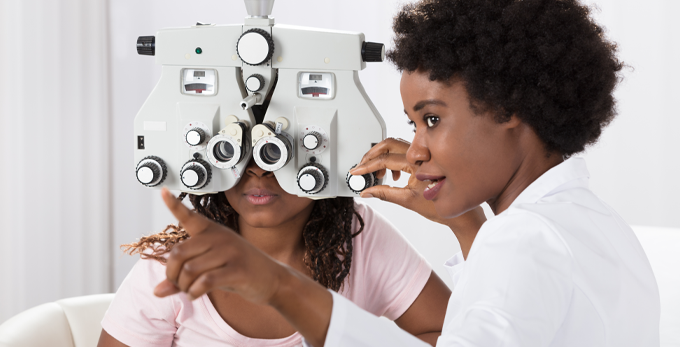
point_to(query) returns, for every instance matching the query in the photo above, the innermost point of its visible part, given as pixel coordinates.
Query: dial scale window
(201, 82)
(316, 85)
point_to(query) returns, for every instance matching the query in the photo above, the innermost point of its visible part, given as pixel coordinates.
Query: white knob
(254, 83)
(190, 177)
(357, 183)
(311, 141)
(145, 175)
(307, 182)
(195, 136)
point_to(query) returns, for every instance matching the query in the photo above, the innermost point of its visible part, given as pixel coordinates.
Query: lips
(259, 196)
(436, 183)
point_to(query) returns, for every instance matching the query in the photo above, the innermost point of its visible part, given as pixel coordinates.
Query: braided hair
(327, 235)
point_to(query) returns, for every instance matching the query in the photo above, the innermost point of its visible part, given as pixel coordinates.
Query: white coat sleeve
(352, 326)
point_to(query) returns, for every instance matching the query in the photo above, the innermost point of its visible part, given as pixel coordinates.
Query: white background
(71, 83)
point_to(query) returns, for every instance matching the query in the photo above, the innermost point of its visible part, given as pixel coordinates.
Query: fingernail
(367, 195)
(190, 297)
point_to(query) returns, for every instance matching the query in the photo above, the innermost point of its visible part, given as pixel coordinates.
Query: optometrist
(501, 95)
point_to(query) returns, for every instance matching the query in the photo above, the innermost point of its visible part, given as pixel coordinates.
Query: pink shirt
(384, 285)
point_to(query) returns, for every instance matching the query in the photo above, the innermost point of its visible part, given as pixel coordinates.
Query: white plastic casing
(346, 116)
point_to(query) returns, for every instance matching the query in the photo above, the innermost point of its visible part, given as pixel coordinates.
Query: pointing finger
(192, 222)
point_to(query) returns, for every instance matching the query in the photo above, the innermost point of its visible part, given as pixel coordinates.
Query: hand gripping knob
(195, 136)
(195, 174)
(311, 140)
(357, 183)
(151, 171)
(312, 178)
(373, 52)
(255, 47)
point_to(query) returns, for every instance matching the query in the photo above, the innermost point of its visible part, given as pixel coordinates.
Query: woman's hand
(215, 257)
(391, 154)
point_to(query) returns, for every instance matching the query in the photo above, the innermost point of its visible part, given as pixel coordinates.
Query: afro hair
(545, 61)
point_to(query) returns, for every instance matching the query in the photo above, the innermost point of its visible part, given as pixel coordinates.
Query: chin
(450, 209)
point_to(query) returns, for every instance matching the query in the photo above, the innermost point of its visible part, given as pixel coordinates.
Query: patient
(329, 240)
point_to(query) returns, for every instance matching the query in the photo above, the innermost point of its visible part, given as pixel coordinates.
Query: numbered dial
(195, 174)
(254, 83)
(255, 47)
(357, 183)
(312, 178)
(151, 171)
(195, 135)
(313, 139)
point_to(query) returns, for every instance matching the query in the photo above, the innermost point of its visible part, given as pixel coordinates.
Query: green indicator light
(199, 50)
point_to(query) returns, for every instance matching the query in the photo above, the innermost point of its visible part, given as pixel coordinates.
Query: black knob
(373, 52)
(312, 140)
(195, 174)
(249, 47)
(151, 171)
(146, 45)
(312, 178)
(357, 183)
(195, 136)
(254, 83)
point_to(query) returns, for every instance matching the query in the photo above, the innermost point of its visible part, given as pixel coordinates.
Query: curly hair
(327, 235)
(545, 61)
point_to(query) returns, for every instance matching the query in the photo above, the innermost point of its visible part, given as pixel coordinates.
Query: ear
(513, 123)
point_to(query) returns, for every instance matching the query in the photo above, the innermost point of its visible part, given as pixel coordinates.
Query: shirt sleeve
(515, 288)
(389, 273)
(136, 316)
(352, 326)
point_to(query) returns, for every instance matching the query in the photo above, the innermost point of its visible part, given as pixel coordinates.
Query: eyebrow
(421, 104)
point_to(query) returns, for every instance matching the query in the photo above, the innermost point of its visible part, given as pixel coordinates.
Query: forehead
(416, 87)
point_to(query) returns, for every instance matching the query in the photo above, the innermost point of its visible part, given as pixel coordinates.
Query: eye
(412, 123)
(431, 121)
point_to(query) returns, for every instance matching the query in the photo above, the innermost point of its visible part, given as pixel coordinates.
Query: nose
(418, 153)
(253, 170)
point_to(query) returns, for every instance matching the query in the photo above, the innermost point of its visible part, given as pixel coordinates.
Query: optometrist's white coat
(557, 268)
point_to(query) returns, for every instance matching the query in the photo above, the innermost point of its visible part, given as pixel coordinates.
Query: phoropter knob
(357, 183)
(312, 178)
(195, 174)
(151, 171)
(373, 52)
(254, 83)
(255, 47)
(311, 140)
(146, 45)
(195, 136)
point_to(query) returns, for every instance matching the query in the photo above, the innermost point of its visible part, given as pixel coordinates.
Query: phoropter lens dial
(312, 140)
(357, 183)
(312, 178)
(195, 136)
(255, 47)
(151, 171)
(224, 151)
(273, 152)
(195, 174)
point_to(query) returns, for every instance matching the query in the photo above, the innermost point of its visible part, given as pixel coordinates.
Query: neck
(282, 242)
(531, 166)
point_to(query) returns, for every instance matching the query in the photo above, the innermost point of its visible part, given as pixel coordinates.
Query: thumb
(165, 288)
(399, 196)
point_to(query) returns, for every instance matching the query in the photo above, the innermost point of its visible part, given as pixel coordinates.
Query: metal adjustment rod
(259, 8)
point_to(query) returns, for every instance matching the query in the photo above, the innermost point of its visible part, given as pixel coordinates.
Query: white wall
(635, 167)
